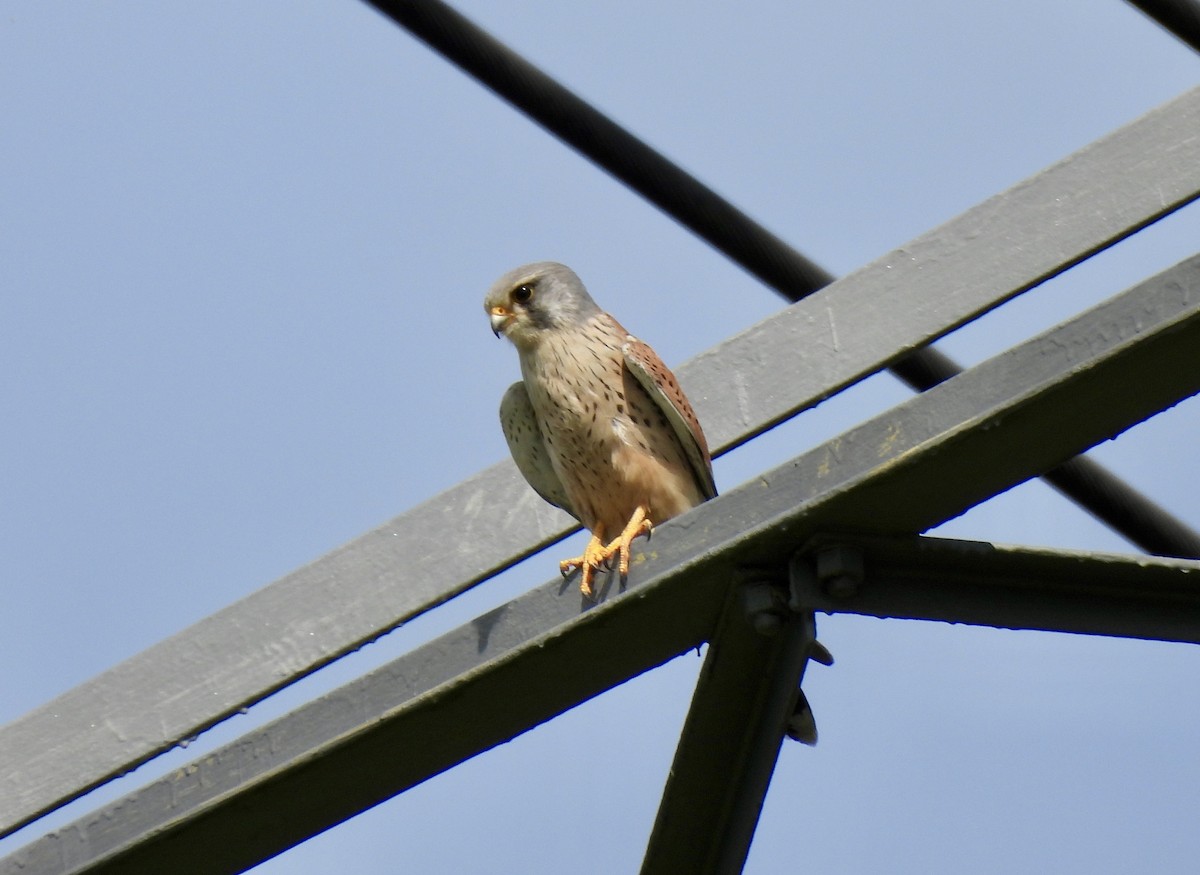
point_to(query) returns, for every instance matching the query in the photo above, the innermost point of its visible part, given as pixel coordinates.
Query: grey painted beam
(1014, 240)
(290, 628)
(730, 742)
(902, 472)
(1084, 481)
(1013, 587)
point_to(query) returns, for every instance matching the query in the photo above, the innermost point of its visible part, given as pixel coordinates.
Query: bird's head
(527, 302)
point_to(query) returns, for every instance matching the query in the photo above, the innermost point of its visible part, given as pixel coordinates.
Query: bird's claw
(598, 555)
(622, 547)
(593, 558)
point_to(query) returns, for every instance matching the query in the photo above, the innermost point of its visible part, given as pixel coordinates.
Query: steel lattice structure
(836, 529)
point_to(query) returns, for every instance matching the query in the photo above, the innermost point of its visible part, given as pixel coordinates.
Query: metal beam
(902, 472)
(745, 695)
(294, 626)
(1008, 587)
(1090, 485)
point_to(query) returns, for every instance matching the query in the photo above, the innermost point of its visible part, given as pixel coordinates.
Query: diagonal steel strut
(746, 693)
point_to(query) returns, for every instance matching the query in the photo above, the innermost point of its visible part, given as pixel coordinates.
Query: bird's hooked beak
(499, 317)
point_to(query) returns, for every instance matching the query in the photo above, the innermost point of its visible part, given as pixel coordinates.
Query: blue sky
(243, 250)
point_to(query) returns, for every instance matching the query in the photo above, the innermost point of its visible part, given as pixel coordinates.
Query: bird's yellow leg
(638, 524)
(594, 555)
(597, 553)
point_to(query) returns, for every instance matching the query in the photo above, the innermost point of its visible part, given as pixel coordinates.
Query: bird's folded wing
(663, 389)
(528, 448)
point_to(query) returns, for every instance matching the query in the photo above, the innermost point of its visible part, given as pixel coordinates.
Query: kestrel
(598, 425)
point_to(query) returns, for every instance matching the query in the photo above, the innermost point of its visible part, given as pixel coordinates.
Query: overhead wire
(1180, 17)
(746, 242)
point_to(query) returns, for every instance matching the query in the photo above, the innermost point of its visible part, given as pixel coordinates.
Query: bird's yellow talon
(598, 556)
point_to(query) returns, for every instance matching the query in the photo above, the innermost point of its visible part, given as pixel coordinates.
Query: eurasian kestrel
(598, 425)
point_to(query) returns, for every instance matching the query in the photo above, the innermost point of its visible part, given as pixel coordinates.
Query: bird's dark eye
(522, 294)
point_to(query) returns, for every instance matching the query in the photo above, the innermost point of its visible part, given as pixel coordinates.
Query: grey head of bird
(536, 298)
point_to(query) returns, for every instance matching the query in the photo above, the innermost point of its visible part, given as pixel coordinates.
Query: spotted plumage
(598, 425)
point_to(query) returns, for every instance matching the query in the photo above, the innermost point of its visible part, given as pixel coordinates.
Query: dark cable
(715, 220)
(618, 152)
(1180, 17)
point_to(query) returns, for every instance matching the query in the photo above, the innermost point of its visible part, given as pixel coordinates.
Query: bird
(597, 425)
